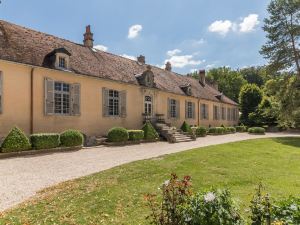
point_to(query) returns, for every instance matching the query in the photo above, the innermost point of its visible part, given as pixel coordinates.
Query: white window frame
(63, 94)
(189, 110)
(204, 111)
(113, 103)
(62, 62)
(148, 105)
(173, 108)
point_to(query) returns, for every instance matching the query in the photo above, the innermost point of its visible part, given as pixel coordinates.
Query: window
(216, 112)
(189, 110)
(173, 108)
(62, 62)
(61, 98)
(223, 113)
(148, 105)
(204, 111)
(113, 103)
(228, 114)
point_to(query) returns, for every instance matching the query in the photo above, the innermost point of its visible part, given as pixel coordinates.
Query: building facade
(48, 84)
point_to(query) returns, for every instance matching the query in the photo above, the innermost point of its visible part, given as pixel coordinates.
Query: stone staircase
(172, 134)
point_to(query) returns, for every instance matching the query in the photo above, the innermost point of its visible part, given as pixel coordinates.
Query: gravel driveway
(21, 178)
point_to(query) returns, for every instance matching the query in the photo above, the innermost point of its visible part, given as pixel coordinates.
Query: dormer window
(58, 59)
(146, 78)
(187, 89)
(61, 62)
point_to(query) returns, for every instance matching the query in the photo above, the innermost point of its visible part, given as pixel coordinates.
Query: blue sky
(192, 34)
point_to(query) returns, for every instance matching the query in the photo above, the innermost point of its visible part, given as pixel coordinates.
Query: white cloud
(134, 31)
(221, 26)
(180, 61)
(101, 48)
(173, 52)
(249, 23)
(129, 57)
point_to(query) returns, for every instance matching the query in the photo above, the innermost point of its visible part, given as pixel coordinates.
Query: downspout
(198, 112)
(31, 101)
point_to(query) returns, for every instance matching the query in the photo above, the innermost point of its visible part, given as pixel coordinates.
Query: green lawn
(116, 196)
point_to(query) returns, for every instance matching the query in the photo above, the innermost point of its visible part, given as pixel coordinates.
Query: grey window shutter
(1, 92)
(169, 108)
(123, 111)
(105, 102)
(75, 98)
(193, 110)
(49, 96)
(177, 109)
(186, 109)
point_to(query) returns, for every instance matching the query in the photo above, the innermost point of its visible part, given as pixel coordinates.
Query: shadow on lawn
(292, 141)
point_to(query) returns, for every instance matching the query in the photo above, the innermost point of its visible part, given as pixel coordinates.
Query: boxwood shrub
(216, 130)
(231, 129)
(201, 132)
(71, 138)
(186, 128)
(118, 134)
(149, 132)
(15, 141)
(44, 141)
(136, 135)
(240, 129)
(256, 130)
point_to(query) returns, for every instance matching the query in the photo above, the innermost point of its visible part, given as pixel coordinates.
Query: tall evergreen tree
(283, 34)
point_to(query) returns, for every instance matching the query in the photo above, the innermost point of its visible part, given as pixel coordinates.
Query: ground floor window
(223, 113)
(189, 110)
(113, 103)
(173, 108)
(204, 111)
(216, 112)
(148, 105)
(61, 98)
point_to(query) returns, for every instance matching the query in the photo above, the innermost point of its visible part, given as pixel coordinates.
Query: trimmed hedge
(241, 128)
(186, 128)
(201, 132)
(16, 141)
(230, 129)
(216, 130)
(149, 132)
(44, 141)
(256, 130)
(136, 135)
(71, 138)
(118, 134)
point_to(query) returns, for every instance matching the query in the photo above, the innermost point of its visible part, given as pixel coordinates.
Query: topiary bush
(44, 141)
(118, 134)
(186, 128)
(71, 138)
(136, 135)
(216, 130)
(240, 129)
(201, 132)
(149, 132)
(232, 129)
(256, 130)
(16, 141)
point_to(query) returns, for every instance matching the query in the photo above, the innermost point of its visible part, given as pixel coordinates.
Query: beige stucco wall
(16, 103)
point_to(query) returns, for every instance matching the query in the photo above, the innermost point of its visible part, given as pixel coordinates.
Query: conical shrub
(186, 128)
(16, 141)
(149, 132)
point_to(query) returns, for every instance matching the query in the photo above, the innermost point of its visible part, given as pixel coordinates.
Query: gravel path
(21, 178)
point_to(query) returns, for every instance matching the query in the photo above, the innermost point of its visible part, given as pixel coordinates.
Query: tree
(255, 75)
(229, 81)
(250, 97)
(283, 34)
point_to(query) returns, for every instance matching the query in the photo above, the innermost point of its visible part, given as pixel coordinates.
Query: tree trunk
(296, 55)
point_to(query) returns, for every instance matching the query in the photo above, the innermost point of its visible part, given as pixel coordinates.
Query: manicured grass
(116, 196)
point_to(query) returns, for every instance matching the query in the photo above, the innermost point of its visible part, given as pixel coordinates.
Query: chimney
(141, 59)
(88, 37)
(202, 77)
(168, 66)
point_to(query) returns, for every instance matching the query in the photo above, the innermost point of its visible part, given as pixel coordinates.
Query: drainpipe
(198, 112)
(31, 101)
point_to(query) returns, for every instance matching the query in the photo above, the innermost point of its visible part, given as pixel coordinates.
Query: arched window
(148, 105)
